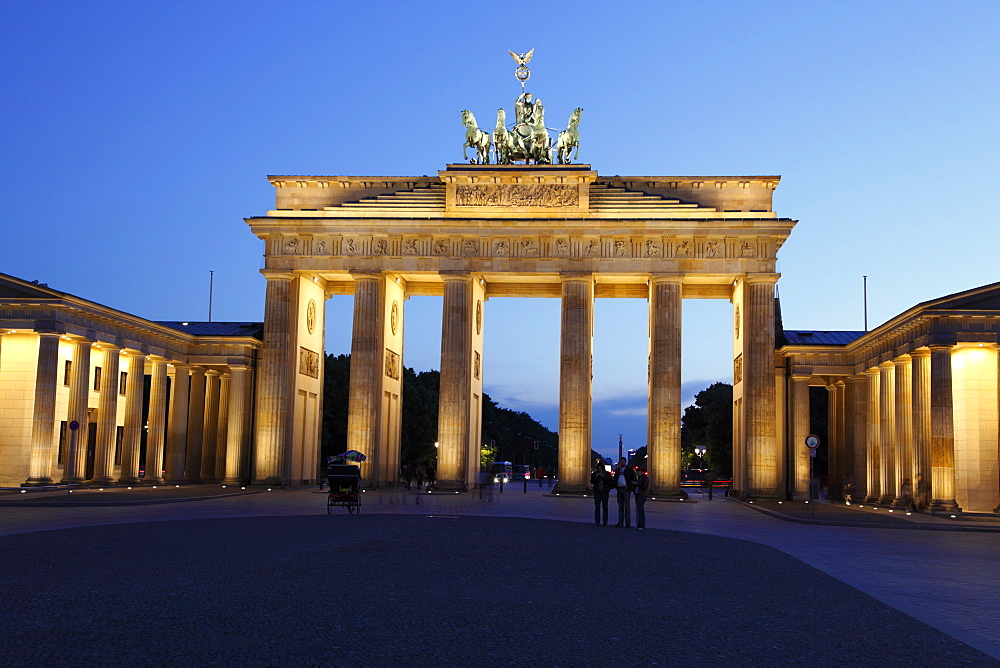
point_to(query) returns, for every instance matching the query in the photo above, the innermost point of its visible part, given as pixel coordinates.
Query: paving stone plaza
(202, 575)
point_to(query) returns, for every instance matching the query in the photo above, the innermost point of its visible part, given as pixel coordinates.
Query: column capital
(239, 367)
(886, 365)
(801, 376)
(937, 347)
(277, 275)
(212, 372)
(920, 352)
(874, 371)
(902, 360)
(464, 276)
(665, 278)
(371, 275)
(761, 278)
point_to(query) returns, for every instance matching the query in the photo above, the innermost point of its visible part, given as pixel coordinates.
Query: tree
(709, 422)
(507, 434)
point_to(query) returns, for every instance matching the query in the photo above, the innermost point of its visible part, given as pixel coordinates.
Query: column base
(674, 494)
(102, 482)
(949, 506)
(752, 495)
(231, 481)
(886, 500)
(37, 482)
(898, 503)
(871, 500)
(151, 481)
(450, 486)
(564, 488)
(272, 481)
(132, 480)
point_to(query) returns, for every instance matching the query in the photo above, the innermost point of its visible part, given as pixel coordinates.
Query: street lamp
(700, 451)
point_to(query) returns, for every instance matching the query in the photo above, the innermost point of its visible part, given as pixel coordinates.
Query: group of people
(423, 475)
(915, 500)
(627, 481)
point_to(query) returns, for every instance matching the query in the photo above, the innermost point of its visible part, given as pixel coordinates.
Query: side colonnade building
(155, 401)
(920, 394)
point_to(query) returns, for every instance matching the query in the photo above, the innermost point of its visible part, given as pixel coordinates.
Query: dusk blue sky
(138, 135)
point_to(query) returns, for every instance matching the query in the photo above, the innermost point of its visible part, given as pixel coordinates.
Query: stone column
(664, 444)
(107, 418)
(156, 421)
(195, 426)
(274, 383)
(239, 401)
(904, 424)
(79, 393)
(942, 432)
(366, 367)
(43, 415)
(834, 438)
(851, 440)
(576, 381)
(177, 429)
(887, 434)
(921, 384)
(456, 368)
(221, 429)
(210, 422)
(839, 457)
(859, 462)
(799, 393)
(873, 440)
(759, 395)
(132, 437)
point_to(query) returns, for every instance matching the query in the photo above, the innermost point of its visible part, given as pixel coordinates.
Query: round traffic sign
(812, 441)
(74, 425)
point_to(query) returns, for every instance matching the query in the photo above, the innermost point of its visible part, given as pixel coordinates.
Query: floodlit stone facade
(479, 232)
(917, 395)
(153, 400)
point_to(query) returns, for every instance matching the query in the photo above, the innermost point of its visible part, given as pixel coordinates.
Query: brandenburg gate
(476, 232)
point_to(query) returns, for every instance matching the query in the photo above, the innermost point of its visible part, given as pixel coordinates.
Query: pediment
(984, 298)
(15, 288)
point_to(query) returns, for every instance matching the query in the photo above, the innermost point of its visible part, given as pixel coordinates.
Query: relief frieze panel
(308, 363)
(649, 248)
(517, 195)
(391, 364)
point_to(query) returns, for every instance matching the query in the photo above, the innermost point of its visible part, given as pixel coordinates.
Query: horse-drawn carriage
(345, 488)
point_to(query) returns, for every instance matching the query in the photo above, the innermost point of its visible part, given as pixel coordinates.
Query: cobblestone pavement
(456, 579)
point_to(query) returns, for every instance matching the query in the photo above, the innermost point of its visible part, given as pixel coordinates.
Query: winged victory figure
(522, 59)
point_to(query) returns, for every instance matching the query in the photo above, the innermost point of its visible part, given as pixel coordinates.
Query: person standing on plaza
(420, 475)
(600, 482)
(641, 492)
(923, 493)
(624, 484)
(906, 494)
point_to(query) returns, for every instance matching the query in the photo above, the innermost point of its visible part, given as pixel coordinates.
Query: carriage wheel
(329, 505)
(350, 508)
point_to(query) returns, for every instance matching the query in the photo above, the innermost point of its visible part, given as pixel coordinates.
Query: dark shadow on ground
(386, 589)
